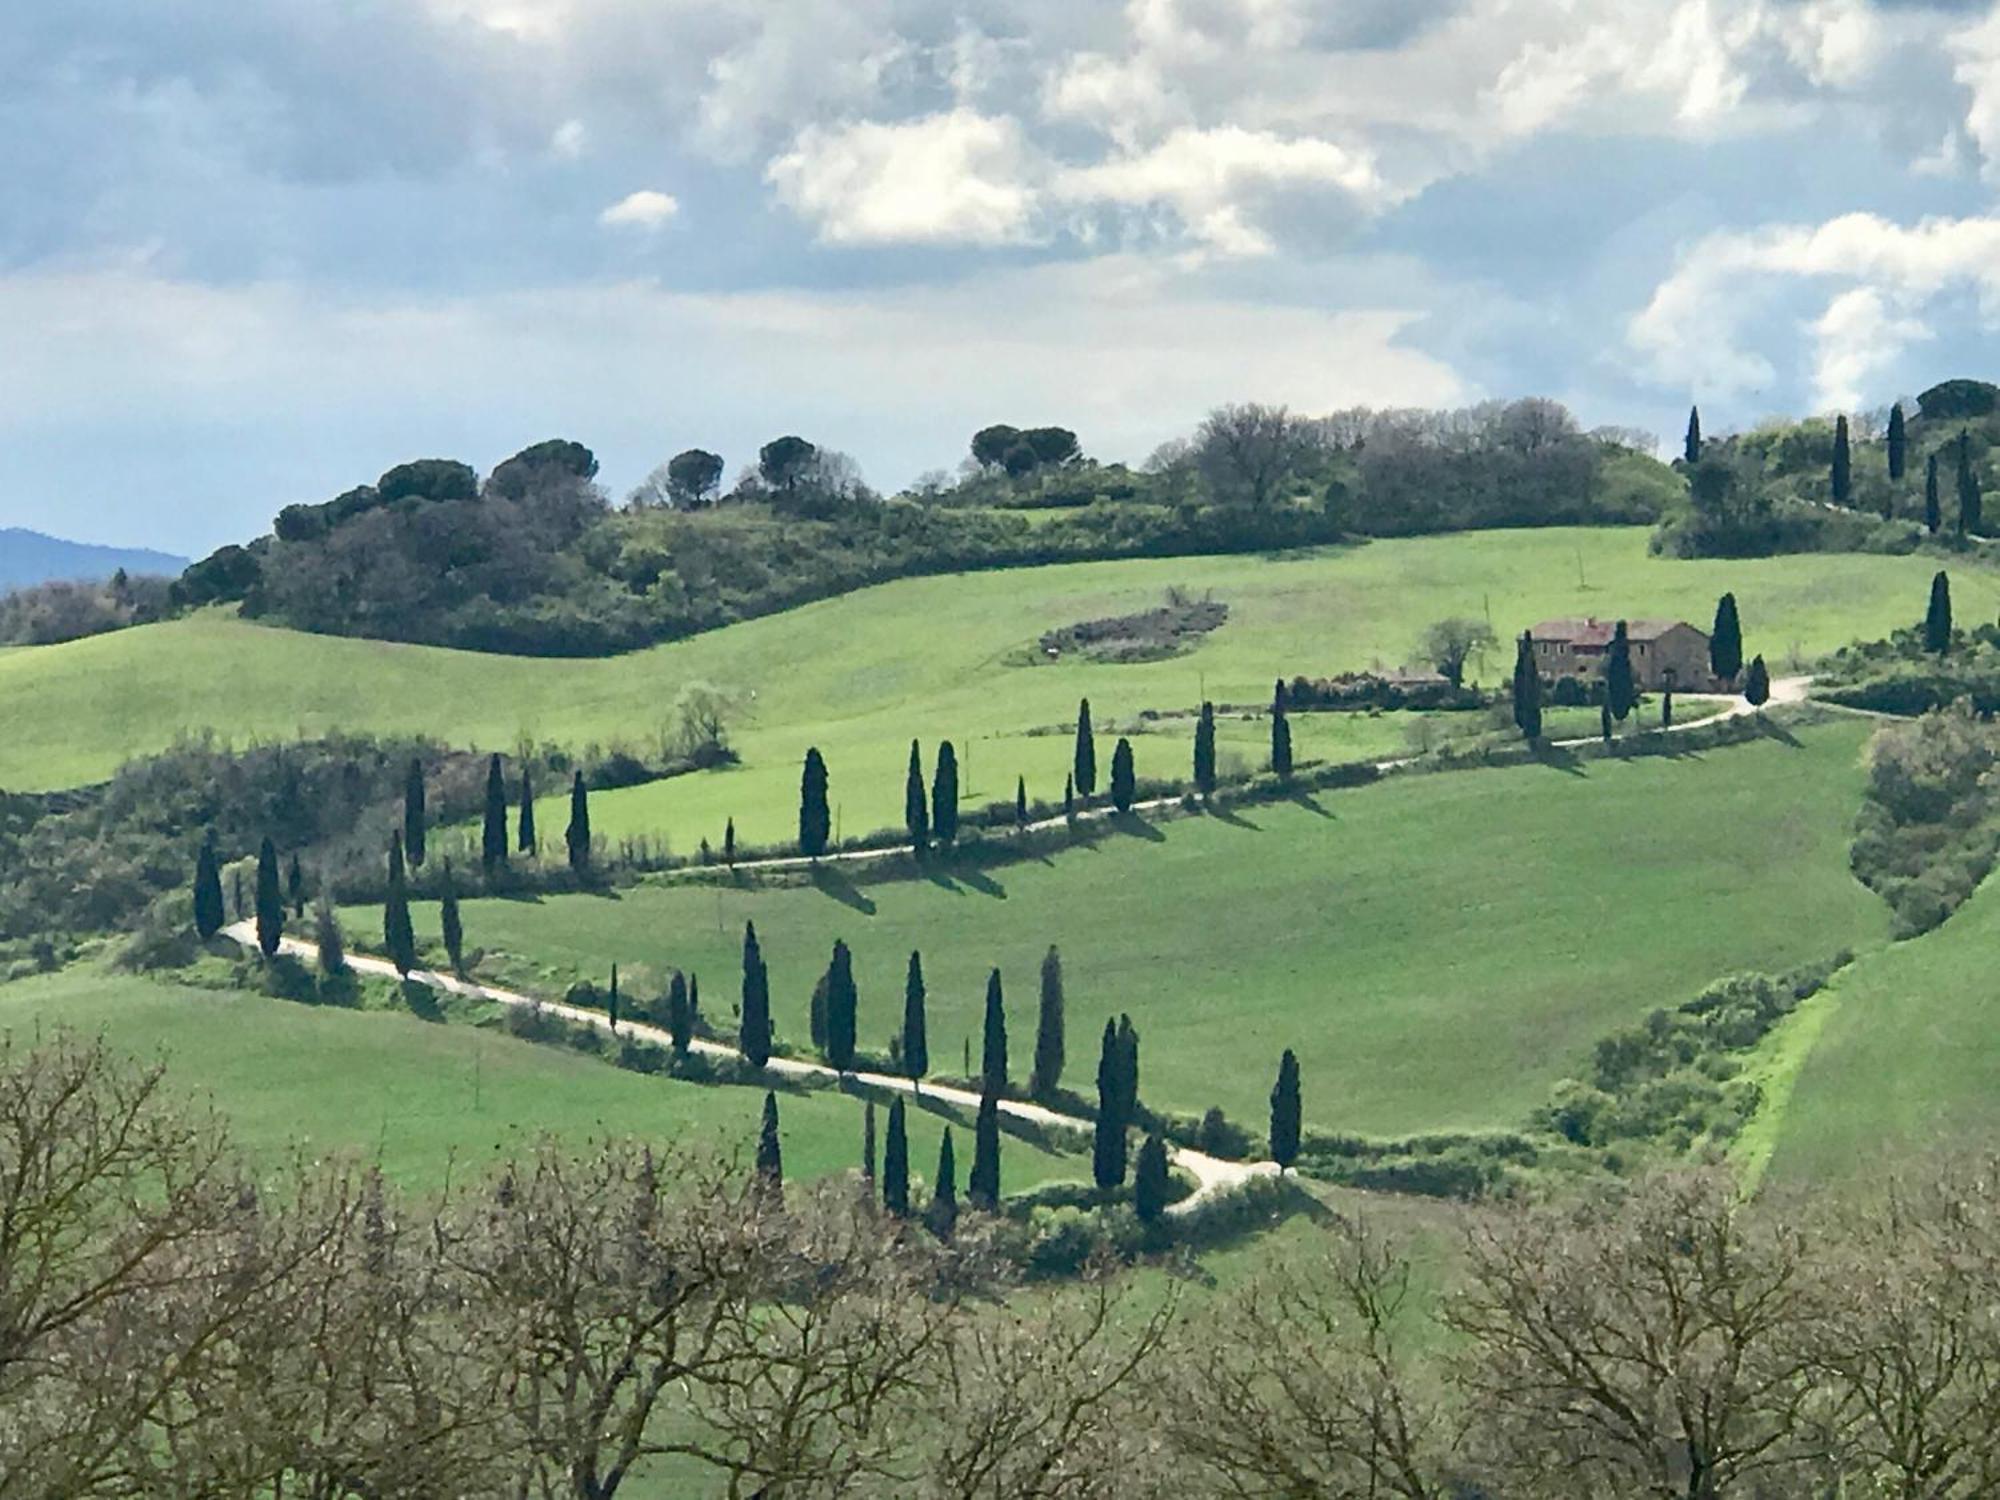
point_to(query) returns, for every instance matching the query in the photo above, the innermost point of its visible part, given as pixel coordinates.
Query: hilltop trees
(413, 812)
(916, 1047)
(1047, 1074)
(1281, 737)
(1124, 780)
(493, 832)
(754, 1028)
(993, 1046)
(692, 477)
(1968, 489)
(1527, 691)
(525, 840)
(399, 938)
(209, 914)
(1691, 448)
(270, 903)
(1725, 641)
(1619, 693)
(944, 795)
(1937, 619)
(1898, 444)
(896, 1162)
(1083, 774)
(577, 836)
(1250, 452)
(916, 807)
(1286, 1114)
(1204, 750)
(815, 816)
(1933, 512)
(842, 1006)
(1843, 473)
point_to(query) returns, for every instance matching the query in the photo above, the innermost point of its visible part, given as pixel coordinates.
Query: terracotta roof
(1595, 632)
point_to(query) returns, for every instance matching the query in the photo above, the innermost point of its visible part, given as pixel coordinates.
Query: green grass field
(428, 1101)
(1438, 949)
(931, 658)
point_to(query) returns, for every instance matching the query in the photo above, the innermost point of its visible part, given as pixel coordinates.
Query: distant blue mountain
(28, 557)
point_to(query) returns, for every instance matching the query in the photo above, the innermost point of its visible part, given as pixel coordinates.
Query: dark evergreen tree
(1128, 1069)
(868, 1146)
(1667, 708)
(1968, 489)
(493, 834)
(452, 922)
(1757, 683)
(399, 938)
(754, 1033)
(1047, 1075)
(1020, 802)
(1937, 619)
(208, 912)
(816, 1011)
(916, 803)
(1286, 1116)
(295, 887)
(1150, 1180)
(1281, 740)
(1898, 445)
(415, 825)
(611, 1000)
(694, 1004)
(525, 840)
(729, 843)
(270, 901)
(1843, 472)
(1691, 449)
(944, 1192)
(982, 1187)
(896, 1162)
(916, 1041)
(944, 795)
(1124, 781)
(1619, 693)
(1280, 698)
(577, 836)
(1204, 751)
(1604, 721)
(770, 1153)
(1108, 1146)
(993, 1050)
(332, 942)
(842, 1008)
(1527, 691)
(1933, 512)
(1069, 799)
(1083, 771)
(680, 1014)
(1725, 641)
(815, 815)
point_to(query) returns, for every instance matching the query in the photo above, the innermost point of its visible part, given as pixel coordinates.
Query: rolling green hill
(944, 657)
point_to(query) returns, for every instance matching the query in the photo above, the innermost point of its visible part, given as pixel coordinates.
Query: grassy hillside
(428, 1100)
(935, 657)
(1439, 949)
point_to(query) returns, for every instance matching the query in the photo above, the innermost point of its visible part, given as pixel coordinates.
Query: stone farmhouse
(1665, 653)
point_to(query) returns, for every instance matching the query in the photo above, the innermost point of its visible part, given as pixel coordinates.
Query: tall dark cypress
(1151, 1180)
(770, 1153)
(1756, 683)
(1047, 1075)
(993, 1049)
(815, 815)
(754, 1033)
(817, 1011)
(1108, 1147)
(916, 805)
(982, 1187)
(694, 1001)
(1020, 802)
(1527, 691)
(451, 922)
(270, 901)
(1898, 444)
(729, 843)
(611, 1000)
(1725, 641)
(680, 1015)
(1937, 619)
(1619, 692)
(1691, 449)
(493, 834)
(1069, 798)
(1281, 739)
(415, 825)
(209, 915)
(1204, 750)
(1128, 1068)
(577, 836)
(525, 840)
(896, 1162)
(1124, 779)
(944, 795)
(1933, 511)
(868, 1145)
(842, 1007)
(398, 936)
(1843, 471)
(944, 1191)
(1084, 770)
(295, 888)
(1969, 503)
(916, 1041)
(1286, 1116)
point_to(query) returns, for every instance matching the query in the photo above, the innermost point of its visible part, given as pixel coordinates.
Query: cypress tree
(208, 913)
(1937, 619)
(842, 1007)
(327, 935)
(270, 904)
(1128, 1069)
(1204, 751)
(1042, 1082)
(295, 887)
(916, 1043)
(1619, 694)
(1691, 449)
(1281, 740)
(916, 805)
(1757, 684)
(1843, 472)
(1069, 799)
(982, 1187)
(1150, 1180)
(1898, 444)
(1933, 513)
(754, 1035)
(816, 1009)
(414, 825)
(868, 1146)
(452, 923)
(770, 1154)
(944, 794)
(815, 817)
(729, 843)
(398, 937)
(611, 1000)
(525, 839)
(1083, 772)
(1279, 697)
(1604, 720)
(577, 835)
(694, 1003)
(944, 1192)
(1285, 1112)
(1124, 781)
(680, 1015)
(1968, 489)
(1020, 802)
(1667, 709)
(993, 1051)
(1725, 641)
(896, 1163)
(1107, 1154)
(493, 834)
(1527, 691)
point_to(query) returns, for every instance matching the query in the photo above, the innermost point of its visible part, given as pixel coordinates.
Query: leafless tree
(1248, 452)
(1449, 644)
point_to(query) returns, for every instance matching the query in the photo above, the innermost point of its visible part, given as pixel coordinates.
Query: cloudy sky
(254, 253)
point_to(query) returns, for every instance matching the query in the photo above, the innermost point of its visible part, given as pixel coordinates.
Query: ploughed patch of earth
(1176, 626)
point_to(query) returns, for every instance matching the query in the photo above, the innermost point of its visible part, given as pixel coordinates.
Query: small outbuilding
(1666, 654)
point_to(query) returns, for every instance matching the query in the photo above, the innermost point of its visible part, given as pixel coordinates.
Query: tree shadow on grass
(969, 878)
(1560, 758)
(829, 881)
(1312, 804)
(1771, 729)
(1138, 827)
(1233, 818)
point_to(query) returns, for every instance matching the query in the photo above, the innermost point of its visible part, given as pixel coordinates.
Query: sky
(255, 254)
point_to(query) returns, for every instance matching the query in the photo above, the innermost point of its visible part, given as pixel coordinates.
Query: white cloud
(953, 178)
(570, 140)
(1858, 336)
(646, 209)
